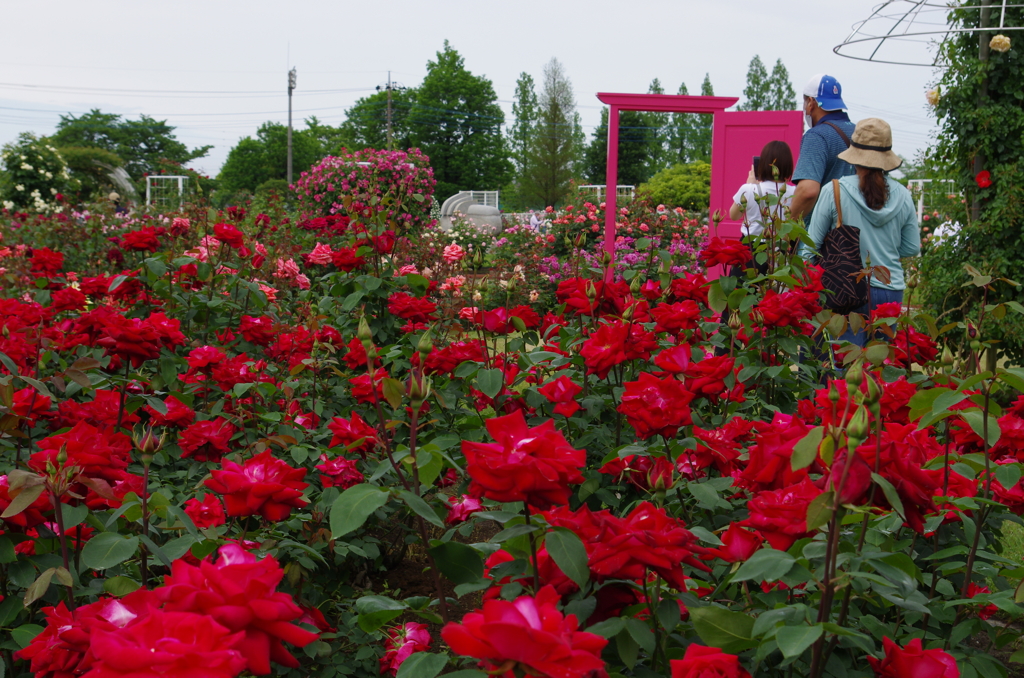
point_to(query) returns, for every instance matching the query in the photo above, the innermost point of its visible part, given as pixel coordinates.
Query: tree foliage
(635, 140)
(981, 120)
(700, 146)
(684, 185)
(256, 160)
(520, 134)
(366, 123)
(757, 93)
(781, 95)
(550, 160)
(141, 143)
(456, 121)
(89, 165)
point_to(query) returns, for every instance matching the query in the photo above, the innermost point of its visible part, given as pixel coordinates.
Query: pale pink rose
(287, 269)
(210, 243)
(454, 253)
(408, 269)
(180, 224)
(260, 249)
(224, 270)
(269, 291)
(321, 255)
(468, 313)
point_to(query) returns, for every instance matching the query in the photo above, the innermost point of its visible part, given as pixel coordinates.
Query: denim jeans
(879, 296)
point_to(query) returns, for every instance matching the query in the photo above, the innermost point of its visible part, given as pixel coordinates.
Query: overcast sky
(217, 69)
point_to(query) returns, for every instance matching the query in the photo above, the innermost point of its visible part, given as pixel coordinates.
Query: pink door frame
(660, 103)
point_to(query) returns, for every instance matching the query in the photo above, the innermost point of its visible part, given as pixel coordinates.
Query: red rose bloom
(346, 259)
(912, 346)
(911, 660)
(445, 360)
(656, 406)
(562, 391)
(263, 485)
(258, 330)
(781, 515)
(363, 388)
(725, 252)
(340, 472)
(178, 414)
(529, 632)
(983, 179)
(46, 263)
(401, 643)
(240, 593)
(461, 508)
(708, 378)
(143, 240)
(353, 433)
(604, 349)
(206, 513)
(206, 440)
(533, 465)
(205, 357)
(788, 309)
(228, 234)
(737, 545)
(693, 286)
(414, 309)
(132, 339)
(164, 645)
(707, 662)
(674, 318)
(67, 299)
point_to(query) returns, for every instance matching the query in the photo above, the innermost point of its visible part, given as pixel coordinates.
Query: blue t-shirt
(819, 149)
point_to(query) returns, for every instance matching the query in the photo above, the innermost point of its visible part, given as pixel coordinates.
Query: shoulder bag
(840, 259)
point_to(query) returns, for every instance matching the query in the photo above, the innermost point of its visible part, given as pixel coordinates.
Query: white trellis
(166, 192)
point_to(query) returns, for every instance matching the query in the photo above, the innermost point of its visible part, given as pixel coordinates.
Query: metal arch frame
(918, 6)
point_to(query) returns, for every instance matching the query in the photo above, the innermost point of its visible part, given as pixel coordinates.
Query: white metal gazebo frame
(182, 181)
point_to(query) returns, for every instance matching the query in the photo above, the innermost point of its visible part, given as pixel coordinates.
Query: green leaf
(977, 422)
(7, 553)
(25, 634)
(705, 495)
(513, 532)
(891, 495)
(108, 549)
(120, 586)
(1008, 475)
(376, 611)
(22, 501)
(819, 511)
(794, 640)
(39, 587)
(806, 450)
(422, 665)
(608, 627)
(73, 515)
(716, 297)
(394, 391)
(721, 628)
(420, 507)
(765, 565)
(353, 506)
(467, 673)
(460, 563)
(37, 385)
(489, 382)
(568, 552)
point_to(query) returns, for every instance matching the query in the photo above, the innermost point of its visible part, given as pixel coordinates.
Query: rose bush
(243, 452)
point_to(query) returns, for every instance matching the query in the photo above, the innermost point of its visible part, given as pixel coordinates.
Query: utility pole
(291, 88)
(389, 87)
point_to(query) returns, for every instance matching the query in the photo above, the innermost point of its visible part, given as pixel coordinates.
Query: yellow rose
(999, 43)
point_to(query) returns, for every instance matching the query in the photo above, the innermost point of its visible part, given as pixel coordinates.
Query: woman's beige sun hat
(871, 146)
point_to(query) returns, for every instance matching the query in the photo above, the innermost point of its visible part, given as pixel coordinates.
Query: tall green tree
(366, 123)
(700, 146)
(757, 93)
(140, 144)
(781, 95)
(634, 146)
(680, 134)
(520, 134)
(456, 121)
(551, 153)
(658, 151)
(254, 161)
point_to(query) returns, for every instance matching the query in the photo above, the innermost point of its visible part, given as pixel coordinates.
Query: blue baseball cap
(827, 91)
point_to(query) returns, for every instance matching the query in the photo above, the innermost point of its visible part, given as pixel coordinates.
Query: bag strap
(842, 134)
(839, 207)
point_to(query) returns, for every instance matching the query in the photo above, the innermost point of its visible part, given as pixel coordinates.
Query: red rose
(178, 414)
(781, 515)
(708, 378)
(206, 513)
(346, 259)
(788, 309)
(693, 286)
(644, 473)
(205, 357)
(533, 465)
(258, 330)
(983, 179)
(132, 339)
(707, 662)
(263, 485)
(143, 240)
(445, 360)
(206, 440)
(228, 234)
(770, 465)
(408, 307)
(737, 545)
(530, 633)
(340, 472)
(562, 391)
(656, 406)
(912, 346)
(363, 390)
(725, 252)
(240, 593)
(674, 318)
(166, 645)
(46, 263)
(33, 515)
(605, 348)
(674, 360)
(911, 660)
(96, 453)
(401, 643)
(67, 299)
(353, 433)
(461, 508)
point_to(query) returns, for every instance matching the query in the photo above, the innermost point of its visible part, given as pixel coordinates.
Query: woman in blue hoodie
(879, 206)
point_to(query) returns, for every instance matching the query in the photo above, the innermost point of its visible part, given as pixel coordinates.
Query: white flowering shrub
(34, 174)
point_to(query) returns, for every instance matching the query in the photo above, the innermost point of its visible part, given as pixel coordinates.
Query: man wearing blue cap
(828, 134)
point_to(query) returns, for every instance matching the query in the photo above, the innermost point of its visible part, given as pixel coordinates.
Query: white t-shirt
(752, 192)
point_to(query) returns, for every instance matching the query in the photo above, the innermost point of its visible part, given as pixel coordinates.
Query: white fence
(925, 190)
(598, 190)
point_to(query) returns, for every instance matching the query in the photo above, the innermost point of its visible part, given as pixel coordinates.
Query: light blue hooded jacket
(886, 235)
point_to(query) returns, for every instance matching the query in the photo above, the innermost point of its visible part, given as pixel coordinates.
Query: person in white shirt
(534, 221)
(770, 178)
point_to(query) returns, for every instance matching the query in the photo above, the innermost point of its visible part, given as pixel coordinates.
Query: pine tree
(657, 151)
(781, 95)
(700, 149)
(524, 109)
(552, 151)
(757, 91)
(680, 134)
(634, 144)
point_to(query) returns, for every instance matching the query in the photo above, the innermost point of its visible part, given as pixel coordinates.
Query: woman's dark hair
(775, 153)
(874, 188)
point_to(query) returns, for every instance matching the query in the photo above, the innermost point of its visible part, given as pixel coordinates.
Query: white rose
(26, 166)
(8, 205)
(19, 187)
(999, 43)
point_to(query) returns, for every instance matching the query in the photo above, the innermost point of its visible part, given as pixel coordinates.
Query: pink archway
(736, 138)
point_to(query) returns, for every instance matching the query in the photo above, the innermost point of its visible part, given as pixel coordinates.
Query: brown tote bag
(840, 259)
